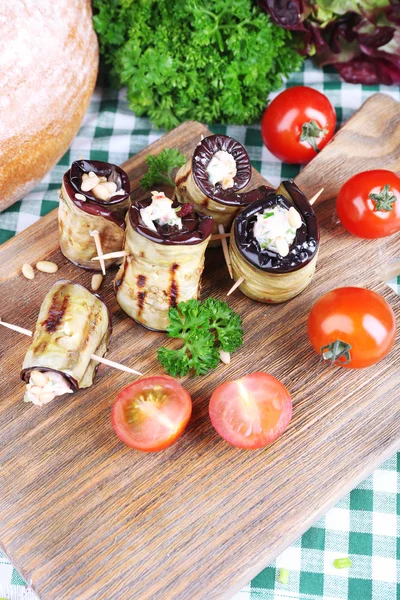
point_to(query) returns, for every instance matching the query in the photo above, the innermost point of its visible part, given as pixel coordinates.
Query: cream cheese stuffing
(222, 169)
(160, 211)
(275, 229)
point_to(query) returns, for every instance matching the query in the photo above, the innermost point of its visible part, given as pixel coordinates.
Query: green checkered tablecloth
(365, 524)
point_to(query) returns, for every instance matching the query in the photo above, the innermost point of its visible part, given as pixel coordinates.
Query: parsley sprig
(209, 60)
(161, 167)
(204, 328)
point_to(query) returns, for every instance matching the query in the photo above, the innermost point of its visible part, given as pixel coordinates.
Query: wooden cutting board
(84, 517)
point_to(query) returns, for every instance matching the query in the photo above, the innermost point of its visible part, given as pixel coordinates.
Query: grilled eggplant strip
(160, 271)
(269, 277)
(193, 184)
(81, 212)
(72, 325)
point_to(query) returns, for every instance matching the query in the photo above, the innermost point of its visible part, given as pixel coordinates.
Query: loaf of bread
(48, 69)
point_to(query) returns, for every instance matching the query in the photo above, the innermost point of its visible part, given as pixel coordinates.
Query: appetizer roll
(274, 245)
(94, 197)
(72, 325)
(166, 244)
(211, 179)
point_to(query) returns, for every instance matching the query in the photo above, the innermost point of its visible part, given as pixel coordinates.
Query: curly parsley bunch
(210, 60)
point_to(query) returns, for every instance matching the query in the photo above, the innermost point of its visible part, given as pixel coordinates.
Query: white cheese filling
(275, 229)
(44, 386)
(160, 211)
(222, 169)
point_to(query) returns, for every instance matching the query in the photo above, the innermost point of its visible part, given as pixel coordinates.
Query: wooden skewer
(316, 196)
(96, 235)
(99, 359)
(118, 254)
(220, 236)
(236, 285)
(225, 250)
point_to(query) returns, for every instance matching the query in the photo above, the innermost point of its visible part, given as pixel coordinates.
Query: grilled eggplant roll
(274, 245)
(166, 243)
(211, 179)
(72, 325)
(94, 197)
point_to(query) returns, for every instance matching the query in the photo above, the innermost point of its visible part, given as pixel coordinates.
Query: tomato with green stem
(151, 413)
(368, 204)
(352, 327)
(297, 124)
(251, 412)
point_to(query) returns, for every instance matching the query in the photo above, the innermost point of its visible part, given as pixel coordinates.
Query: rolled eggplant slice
(72, 325)
(211, 179)
(164, 264)
(272, 275)
(94, 196)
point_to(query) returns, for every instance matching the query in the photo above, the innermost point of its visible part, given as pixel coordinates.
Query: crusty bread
(48, 69)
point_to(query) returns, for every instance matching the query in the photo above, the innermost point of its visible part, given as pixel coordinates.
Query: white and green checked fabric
(364, 525)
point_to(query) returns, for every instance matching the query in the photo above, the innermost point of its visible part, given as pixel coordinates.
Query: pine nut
(46, 266)
(85, 176)
(294, 218)
(97, 280)
(89, 183)
(282, 246)
(224, 356)
(27, 271)
(46, 397)
(38, 378)
(101, 192)
(92, 174)
(111, 187)
(103, 179)
(80, 197)
(36, 390)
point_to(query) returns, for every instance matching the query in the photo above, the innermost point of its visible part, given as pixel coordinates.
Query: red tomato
(297, 124)
(150, 414)
(251, 412)
(359, 321)
(368, 204)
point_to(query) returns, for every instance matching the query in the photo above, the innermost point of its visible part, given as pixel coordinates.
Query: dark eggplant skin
(114, 209)
(195, 226)
(73, 383)
(307, 238)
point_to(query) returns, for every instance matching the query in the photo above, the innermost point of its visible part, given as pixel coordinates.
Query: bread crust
(50, 75)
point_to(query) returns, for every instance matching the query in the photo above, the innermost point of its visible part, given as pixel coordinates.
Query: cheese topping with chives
(275, 229)
(222, 169)
(160, 211)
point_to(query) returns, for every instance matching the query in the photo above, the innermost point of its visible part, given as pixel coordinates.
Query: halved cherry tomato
(251, 412)
(297, 124)
(151, 413)
(352, 327)
(368, 204)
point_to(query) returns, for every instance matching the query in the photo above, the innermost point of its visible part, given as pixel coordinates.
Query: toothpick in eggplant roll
(94, 196)
(72, 325)
(166, 244)
(219, 168)
(274, 245)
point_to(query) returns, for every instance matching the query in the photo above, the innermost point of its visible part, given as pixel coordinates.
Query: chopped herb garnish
(342, 563)
(283, 577)
(268, 214)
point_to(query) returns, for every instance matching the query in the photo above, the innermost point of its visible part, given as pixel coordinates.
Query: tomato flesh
(151, 413)
(355, 316)
(250, 412)
(283, 121)
(357, 210)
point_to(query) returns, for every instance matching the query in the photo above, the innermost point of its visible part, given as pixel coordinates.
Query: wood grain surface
(83, 517)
